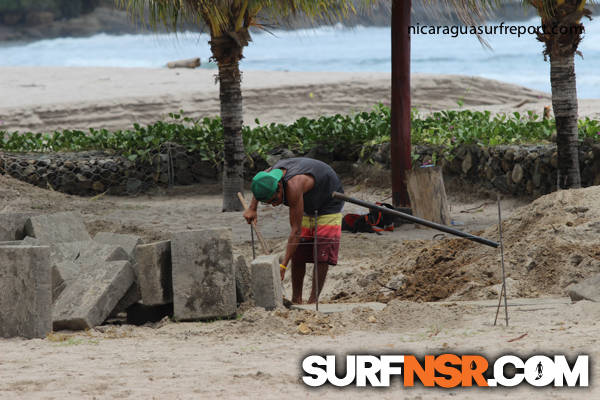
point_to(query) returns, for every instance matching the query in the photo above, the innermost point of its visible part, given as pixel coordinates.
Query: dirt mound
(548, 245)
(16, 195)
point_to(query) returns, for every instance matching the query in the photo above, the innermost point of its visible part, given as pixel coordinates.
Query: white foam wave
(329, 48)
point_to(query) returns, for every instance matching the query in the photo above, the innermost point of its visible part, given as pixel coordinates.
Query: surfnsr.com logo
(446, 371)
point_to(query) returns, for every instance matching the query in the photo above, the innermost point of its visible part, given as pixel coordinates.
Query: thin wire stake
(316, 262)
(499, 302)
(504, 288)
(252, 238)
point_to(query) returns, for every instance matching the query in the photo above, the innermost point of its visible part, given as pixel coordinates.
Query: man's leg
(328, 240)
(298, 272)
(323, 268)
(302, 254)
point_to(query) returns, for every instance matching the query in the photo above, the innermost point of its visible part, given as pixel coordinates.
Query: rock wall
(94, 172)
(518, 170)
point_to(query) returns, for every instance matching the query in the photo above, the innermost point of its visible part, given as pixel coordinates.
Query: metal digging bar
(416, 220)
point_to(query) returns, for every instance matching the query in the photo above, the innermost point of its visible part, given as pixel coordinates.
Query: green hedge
(348, 134)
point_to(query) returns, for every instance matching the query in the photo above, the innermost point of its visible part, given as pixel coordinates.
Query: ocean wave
(329, 48)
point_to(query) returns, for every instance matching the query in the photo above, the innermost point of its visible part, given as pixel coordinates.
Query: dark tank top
(326, 182)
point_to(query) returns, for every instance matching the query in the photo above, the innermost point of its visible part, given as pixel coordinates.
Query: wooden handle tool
(266, 248)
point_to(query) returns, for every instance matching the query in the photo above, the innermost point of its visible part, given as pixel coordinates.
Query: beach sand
(49, 98)
(259, 355)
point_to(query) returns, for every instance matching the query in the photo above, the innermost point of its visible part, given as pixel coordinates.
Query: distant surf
(512, 59)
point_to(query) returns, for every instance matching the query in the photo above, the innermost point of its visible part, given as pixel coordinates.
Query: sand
(549, 243)
(49, 98)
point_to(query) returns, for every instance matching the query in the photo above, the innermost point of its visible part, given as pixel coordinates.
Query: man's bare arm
(296, 187)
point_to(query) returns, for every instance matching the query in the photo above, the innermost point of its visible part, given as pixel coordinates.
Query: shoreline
(43, 99)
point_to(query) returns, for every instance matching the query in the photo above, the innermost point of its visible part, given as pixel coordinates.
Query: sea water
(508, 58)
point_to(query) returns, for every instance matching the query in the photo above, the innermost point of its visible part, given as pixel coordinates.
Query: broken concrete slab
(243, 281)
(62, 271)
(587, 289)
(88, 251)
(13, 243)
(57, 228)
(327, 308)
(71, 258)
(12, 225)
(266, 282)
(131, 297)
(203, 274)
(154, 272)
(68, 270)
(58, 283)
(25, 291)
(90, 298)
(127, 242)
(27, 241)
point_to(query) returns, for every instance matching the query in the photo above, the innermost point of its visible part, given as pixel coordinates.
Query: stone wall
(94, 172)
(518, 170)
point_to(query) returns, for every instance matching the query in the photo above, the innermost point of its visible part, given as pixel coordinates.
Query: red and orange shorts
(329, 233)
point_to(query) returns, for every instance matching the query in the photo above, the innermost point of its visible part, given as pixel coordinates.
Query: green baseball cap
(264, 184)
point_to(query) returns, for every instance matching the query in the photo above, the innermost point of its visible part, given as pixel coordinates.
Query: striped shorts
(329, 233)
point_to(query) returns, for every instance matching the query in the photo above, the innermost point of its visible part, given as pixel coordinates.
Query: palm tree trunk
(230, 94)
(564, 104)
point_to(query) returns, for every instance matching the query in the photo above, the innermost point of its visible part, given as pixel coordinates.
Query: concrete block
(27, 241)
(12, 225)
(203, 274)
(587, 289)
(62, 271)
(25, 291)
(90, 298)
(57, 228)
(127, 242)
(13, 243)
(88, 252)
(71, 258)
(68, 270)
(154, 273)
(58, 283)
(131, 297)
(243, 281)
(266, 282)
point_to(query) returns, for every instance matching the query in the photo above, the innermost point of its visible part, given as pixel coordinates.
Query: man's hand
(250, 215)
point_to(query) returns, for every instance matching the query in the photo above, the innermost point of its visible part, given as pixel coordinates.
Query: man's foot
(297, 300)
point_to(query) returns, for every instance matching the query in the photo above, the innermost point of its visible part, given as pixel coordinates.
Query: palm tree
(561, 34)
(561, 20)
(228, 22)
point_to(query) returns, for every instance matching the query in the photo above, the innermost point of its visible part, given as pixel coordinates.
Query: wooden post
(400, 112)
(428, 194)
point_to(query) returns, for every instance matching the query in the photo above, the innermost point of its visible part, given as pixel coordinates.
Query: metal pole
(316, 262)
(502, 262)
(416, 220)
(252, 237)
(400, 112)
(499, 302)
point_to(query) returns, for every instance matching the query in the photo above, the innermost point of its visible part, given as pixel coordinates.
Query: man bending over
(304, 185)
